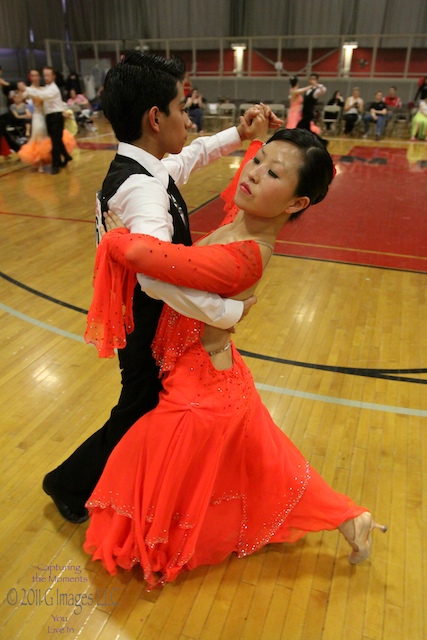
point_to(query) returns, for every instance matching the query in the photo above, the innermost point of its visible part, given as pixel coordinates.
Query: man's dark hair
(137, 83)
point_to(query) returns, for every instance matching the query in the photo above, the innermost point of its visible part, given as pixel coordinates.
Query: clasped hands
(256, 121)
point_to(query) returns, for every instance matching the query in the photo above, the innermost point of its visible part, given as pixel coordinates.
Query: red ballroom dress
(207, 472)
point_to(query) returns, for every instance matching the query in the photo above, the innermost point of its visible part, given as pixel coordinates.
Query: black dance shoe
(76, 517)
(66, 160)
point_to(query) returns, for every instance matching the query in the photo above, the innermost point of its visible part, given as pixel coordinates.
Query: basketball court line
(387, 374)
(263, 387)
(43, 217)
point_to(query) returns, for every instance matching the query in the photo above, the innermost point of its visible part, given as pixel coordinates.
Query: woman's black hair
(293, 81)
(137, 83)
(317, 168)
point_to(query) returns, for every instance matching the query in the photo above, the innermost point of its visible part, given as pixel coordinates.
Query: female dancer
(295, 109)
(207, 472)
(295, 103)
(36, 150)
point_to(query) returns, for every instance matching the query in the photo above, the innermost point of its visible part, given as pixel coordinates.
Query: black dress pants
(75, 479)
(55, 128)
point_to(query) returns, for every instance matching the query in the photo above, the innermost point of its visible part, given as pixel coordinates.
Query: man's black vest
(146, 310)
(309, 104)
(120, 169)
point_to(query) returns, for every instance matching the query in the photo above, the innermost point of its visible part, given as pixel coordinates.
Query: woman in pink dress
(207, 472)
(295, 105)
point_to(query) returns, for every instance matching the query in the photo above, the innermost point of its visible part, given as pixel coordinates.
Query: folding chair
(332, 114)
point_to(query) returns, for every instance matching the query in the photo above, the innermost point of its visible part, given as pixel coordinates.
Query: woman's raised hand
(256, 121)
(274, 122)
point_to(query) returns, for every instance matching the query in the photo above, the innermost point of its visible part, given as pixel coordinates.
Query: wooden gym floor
(339, 353)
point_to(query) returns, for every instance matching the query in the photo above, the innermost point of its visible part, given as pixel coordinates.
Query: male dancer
(311, 96)
(144, 101)
(53, 106)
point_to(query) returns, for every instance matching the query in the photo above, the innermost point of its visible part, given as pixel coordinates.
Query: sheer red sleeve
(224, 269)
(110, 315)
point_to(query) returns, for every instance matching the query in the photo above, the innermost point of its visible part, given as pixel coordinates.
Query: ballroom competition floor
(337, 346)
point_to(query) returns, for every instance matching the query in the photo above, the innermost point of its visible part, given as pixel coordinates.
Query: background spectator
(353, 110)
(81, 111)
(422, 90)
(188, 87)
(80, 101)
(338, 101)
(194, 107)
(393, 103)
(419, 122)
(7, 142)
(392, 100)
(73, 82)
(20, 111)
(377, 113)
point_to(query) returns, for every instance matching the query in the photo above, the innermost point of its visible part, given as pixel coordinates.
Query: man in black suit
(144, 101)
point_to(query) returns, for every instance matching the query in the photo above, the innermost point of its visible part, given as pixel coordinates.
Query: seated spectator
(338, 101)
(194, 107)
(419, 122)
(20, 111)
(70, 123)
(73, 82)
(377, 113)
(422, 90)
(353, 110)
(80, 101)
(392, 100)
(81, 107)
(97, 101)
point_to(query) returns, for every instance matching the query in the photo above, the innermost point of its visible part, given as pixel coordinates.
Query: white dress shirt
(320, 91)
(142, 202)
(51, 96)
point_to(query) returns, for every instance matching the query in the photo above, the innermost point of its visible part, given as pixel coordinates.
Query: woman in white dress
(38, 150)
(31, 153)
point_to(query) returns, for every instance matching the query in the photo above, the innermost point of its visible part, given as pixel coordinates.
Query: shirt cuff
(233, 311)
(229, 140)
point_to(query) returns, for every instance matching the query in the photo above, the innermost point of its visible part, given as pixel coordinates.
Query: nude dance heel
(357, 532)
